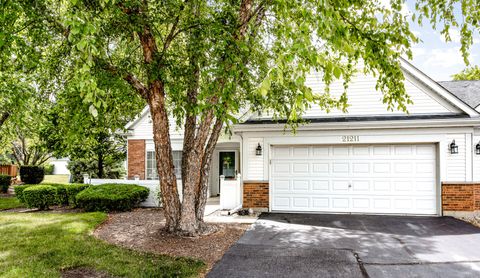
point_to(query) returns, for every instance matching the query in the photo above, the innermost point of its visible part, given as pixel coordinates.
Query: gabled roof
(465, 95)
(437, 88)
(466, 90)
(142, 114)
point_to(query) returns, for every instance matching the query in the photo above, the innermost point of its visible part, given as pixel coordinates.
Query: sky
(436, 57)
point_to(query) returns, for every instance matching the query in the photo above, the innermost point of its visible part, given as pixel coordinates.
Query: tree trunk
(4, 117)
(163, 154)
(100, 165)
(202, 189)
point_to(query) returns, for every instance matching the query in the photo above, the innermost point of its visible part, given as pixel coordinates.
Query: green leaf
(93, 111)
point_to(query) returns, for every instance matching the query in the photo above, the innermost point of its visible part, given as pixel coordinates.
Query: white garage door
(358, 178)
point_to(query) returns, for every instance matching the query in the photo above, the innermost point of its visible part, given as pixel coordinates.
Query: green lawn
(42, 244)
(56, 179)
(9, 203)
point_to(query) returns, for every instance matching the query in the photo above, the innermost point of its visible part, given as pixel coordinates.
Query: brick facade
(136, 158)
(255, 194)
(460, 197)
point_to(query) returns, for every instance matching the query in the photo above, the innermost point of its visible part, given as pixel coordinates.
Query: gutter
(429, 123)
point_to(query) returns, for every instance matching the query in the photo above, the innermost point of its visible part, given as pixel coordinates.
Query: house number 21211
(350, 138)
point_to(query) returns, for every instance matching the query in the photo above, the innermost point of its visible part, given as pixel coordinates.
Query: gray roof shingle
(466, 90)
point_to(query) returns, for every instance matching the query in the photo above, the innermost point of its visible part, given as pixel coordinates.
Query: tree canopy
(471, 73)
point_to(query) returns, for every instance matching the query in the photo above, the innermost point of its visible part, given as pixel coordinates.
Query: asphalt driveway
(313, 245)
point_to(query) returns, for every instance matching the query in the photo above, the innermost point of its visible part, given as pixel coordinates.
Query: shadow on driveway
(315, 245)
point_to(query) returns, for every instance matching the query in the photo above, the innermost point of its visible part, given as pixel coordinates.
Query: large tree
(471, 73)
(202, 62)
(96, 142)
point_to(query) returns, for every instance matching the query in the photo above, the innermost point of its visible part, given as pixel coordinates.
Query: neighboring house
(369, 160)
(60, 166)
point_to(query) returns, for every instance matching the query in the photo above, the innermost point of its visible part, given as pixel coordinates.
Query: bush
(19, 191)
(40, 196)
(72, 191)
(64, 193)
(61, 193)
(49, 169)
(31, 174)
(5, 182)
(112, 197)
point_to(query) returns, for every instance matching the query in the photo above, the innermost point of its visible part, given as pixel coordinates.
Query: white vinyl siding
(456, 163)
(143, 129)
(355, 178)
(254, 162)
(364, 99)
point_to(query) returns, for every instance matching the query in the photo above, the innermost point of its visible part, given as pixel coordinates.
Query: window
(177, 162)
(152, 165)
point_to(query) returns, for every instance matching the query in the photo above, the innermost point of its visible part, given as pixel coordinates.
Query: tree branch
(4, 117)
(137, 85)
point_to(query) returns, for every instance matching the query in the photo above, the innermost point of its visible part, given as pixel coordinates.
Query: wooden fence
(10, 170)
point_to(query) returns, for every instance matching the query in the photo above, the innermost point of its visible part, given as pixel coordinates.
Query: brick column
(460, 198)
(255, 194)
(136, 158)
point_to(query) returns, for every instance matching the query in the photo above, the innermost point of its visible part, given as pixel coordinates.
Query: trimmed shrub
(19, 191)
(49, 169)
(31, 174)
(5, 182)
(40, 196)
(61, 194)
(72, 191)
(112, 197)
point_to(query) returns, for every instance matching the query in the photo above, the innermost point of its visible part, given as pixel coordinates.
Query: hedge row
(112, 197)
(64, 194)
(106, 197)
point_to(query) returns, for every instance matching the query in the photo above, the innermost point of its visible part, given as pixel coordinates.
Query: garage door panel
(301, 185)
(320, 185)
(300, 168)
(369, 179)
(281, 185)
(320, 203)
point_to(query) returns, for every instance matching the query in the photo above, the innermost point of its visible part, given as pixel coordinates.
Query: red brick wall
(460, 196)
(136, 158)
(255, 194)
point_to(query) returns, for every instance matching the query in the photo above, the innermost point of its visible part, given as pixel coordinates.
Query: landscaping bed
(141, 229)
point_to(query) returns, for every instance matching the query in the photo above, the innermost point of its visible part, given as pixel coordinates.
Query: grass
(56, 179)
(43, 244)
(9, 203)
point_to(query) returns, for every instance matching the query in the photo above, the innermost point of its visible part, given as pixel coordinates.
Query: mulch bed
(141, 230)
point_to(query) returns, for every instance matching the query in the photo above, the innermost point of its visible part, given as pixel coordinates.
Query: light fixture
(477, 148)
(258, 150)
(453, 147)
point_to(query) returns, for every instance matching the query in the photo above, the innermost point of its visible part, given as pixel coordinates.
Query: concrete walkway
(312, 245)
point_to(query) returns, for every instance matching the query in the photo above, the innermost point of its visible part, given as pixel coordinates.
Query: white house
(368, 160)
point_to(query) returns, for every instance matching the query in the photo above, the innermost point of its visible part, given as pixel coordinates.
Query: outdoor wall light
(453, 147)
(258, 150)
(477, 148)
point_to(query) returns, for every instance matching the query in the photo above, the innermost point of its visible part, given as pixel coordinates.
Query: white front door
(355, 178)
